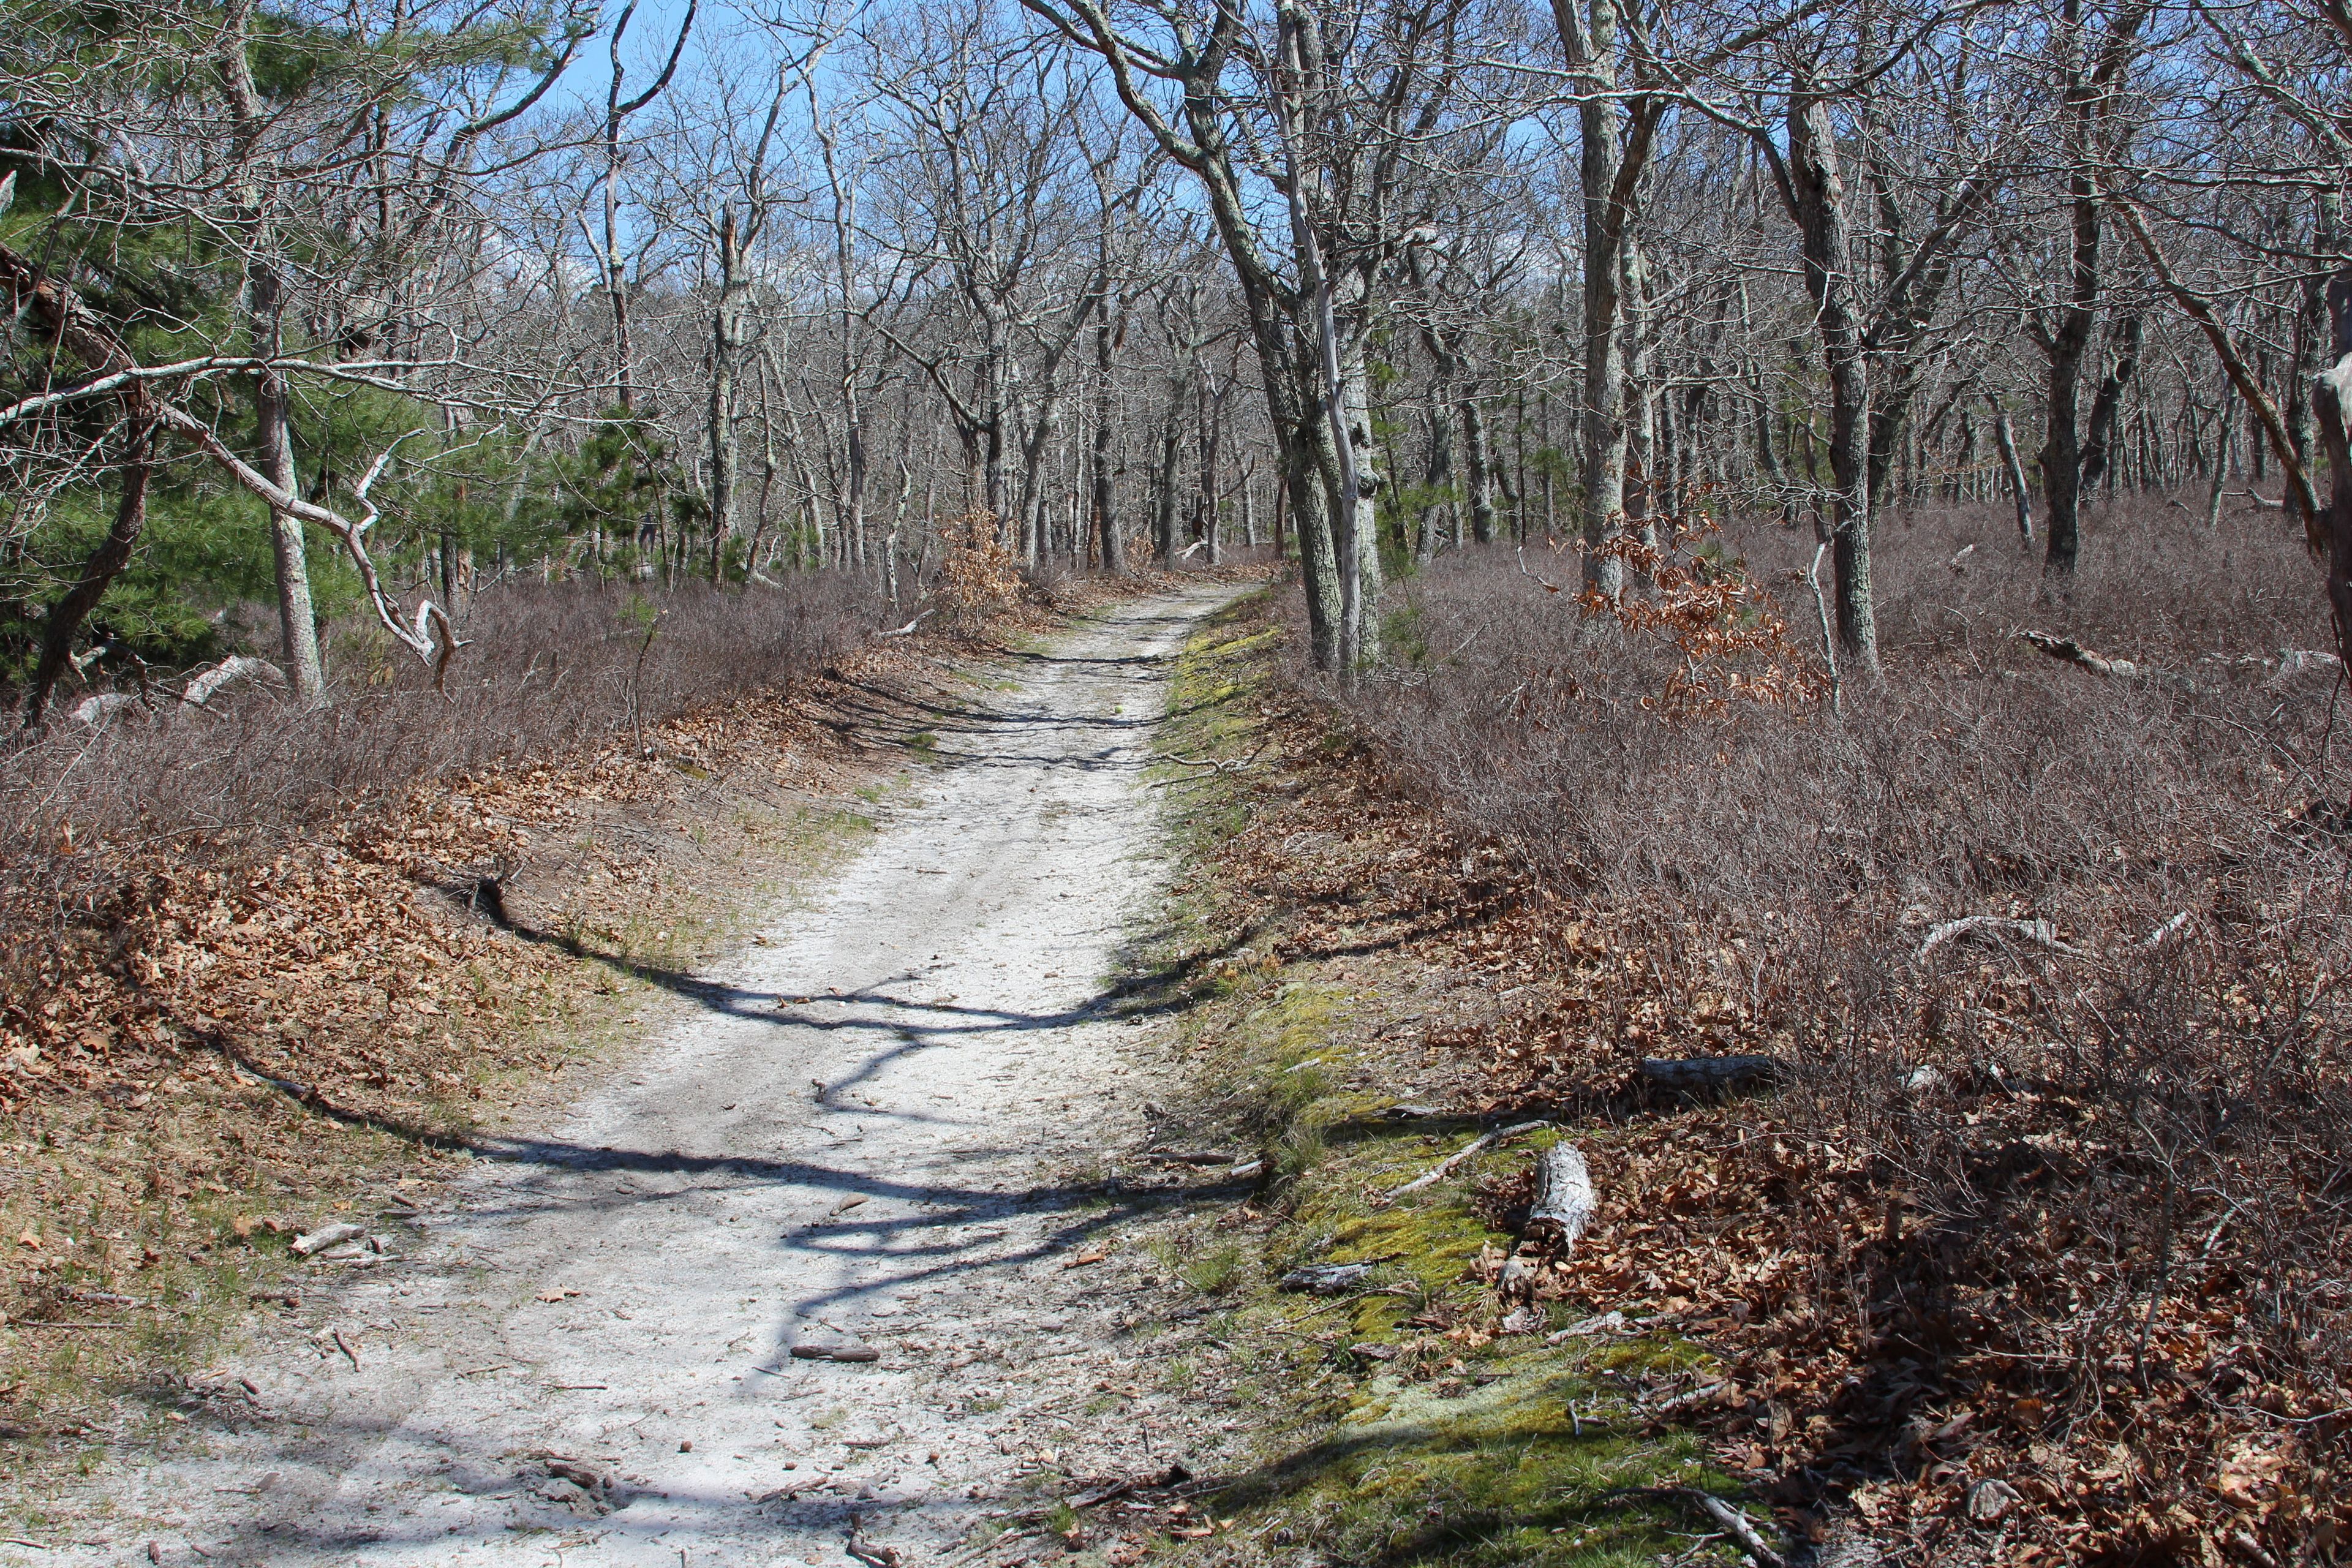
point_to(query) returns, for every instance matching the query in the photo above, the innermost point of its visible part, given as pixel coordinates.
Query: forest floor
(941, 1197)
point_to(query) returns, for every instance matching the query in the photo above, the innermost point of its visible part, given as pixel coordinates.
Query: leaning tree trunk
(2005, 439)
(297, 621)
(98, 572)
(51, 308)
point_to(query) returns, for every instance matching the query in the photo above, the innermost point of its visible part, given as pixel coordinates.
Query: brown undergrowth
(2037, 1250)
(214, 1035)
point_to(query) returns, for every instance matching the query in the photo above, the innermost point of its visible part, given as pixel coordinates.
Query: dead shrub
(550, 668)
(979, 574)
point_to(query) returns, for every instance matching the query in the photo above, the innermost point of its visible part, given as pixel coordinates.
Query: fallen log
(1563, 1203)
(96, 709)
(2041, 934)
(201, 690)
(1694, 1075)
(1327, 1279)
(325, 1236)
(227, 672)
(2294, 662)
(2066, 650)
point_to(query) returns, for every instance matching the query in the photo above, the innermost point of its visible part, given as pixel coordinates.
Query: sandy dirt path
(867, 1134)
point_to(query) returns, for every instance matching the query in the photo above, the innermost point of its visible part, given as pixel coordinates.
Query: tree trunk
(726, 350)
(265, 303)
(1310, 521)
(614, 267)
(2332, 401)
(2223, 436)
(2311, 332)
(1212, 442)
(1109, 327)
(1163, 520)
(2062, 454)
(1439, 473)
(1819, 189)
(1477, 456)
(1641, 408)
(1591, 40)
(1362, 596)
(2099, 436)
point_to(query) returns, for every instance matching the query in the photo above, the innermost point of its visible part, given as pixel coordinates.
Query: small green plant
(1300, 1151)
(1214, 1271)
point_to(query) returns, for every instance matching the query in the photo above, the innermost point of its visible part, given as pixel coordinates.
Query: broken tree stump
(1563, 1202)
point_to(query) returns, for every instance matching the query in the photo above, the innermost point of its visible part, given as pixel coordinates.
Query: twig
(344, 1345)
(1736, 1525)
(1223, 765)
(1549, 587)
(982, 1548)
(1445, 1167)
(872, 1556)
(65, 1323)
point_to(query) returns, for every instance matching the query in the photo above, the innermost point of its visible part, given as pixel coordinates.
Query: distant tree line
(370, 305)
